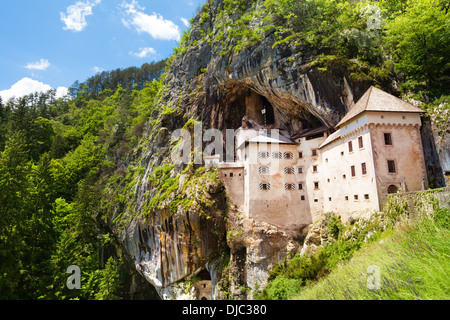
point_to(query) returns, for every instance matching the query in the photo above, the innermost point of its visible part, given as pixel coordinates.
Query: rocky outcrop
(284, 77)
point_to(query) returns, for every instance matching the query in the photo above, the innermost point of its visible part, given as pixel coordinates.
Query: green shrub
(442, 217)
(335, 226)
(282, 288)
(340, 250)
(301, 268)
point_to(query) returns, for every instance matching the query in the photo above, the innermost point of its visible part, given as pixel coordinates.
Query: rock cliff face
(194, 227)
(281, 77)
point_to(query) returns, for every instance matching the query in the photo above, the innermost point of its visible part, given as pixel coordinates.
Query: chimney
(244, 122)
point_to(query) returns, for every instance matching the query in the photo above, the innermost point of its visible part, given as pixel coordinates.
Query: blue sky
(53, 43)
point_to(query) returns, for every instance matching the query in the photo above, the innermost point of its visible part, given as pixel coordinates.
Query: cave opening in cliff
(204, 275)
(260, 111)
(240, 102)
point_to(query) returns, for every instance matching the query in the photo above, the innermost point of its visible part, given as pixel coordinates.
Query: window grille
(264, 170)
(289, 170)
(289, 186)
(277, 155)
(263, 155)
(264, 186)
(288, 155)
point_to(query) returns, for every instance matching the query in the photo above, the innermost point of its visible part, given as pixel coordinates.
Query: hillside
(412, 262)
(90, 181)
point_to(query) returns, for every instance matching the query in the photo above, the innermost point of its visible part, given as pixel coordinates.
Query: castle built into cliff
(290, 180)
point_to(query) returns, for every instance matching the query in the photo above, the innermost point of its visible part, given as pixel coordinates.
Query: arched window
(392, 189)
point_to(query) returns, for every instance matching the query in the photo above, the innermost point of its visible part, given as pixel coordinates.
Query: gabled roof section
(267, 138)
(332, 137)
(377, 100)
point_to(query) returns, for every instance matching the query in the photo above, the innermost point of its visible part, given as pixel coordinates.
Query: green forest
(57, 155)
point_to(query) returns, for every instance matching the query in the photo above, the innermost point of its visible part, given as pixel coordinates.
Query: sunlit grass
(413, 261)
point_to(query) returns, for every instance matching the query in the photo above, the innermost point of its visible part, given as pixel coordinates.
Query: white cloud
(26, 86)
(75, 19)
(155, 25)
(185, 21)
(97, 69)
(61, 92)
(144, 52)
(42, 64)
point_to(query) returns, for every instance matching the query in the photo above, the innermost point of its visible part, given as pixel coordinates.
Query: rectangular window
(346, 198)
(264, 186)
(360, 142)
(300, 186)
(277, 155)
(366, 196)
(289, 170)
(314, 152)
(289, 186)
(353, 171)
(303, 198)
(264, 170)
(315, 169)
(356, 197)
(300, 155)
(329, 199)
(388, 139)
(300, 170)
(263, 155)
(231, 175)
(364, 168)
(344, 177)
(316, 185)
(350, 146)
(391, 166)
(288, 155)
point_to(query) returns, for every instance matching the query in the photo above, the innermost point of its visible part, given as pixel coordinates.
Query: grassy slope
(413, 262)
